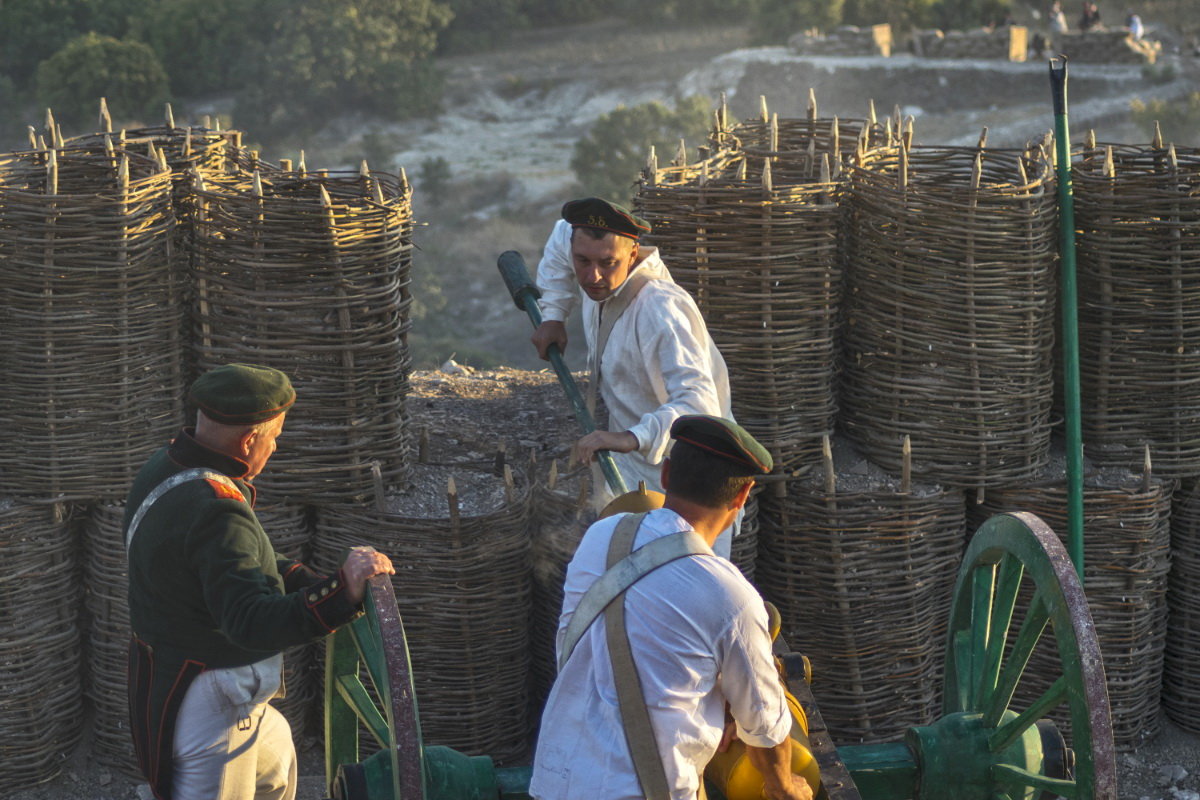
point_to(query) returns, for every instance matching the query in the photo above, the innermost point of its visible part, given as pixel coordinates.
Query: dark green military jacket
(207, 590)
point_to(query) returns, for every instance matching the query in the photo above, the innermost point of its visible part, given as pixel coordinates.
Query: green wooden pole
(525, 294)
(1070, 314)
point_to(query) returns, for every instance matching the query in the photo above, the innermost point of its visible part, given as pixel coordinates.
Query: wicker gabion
(40, 682)
(1181, 660)
(463, 587)
(1126, 560)
(561, 515)
(1138, 210)
(761, 261)
(106, 589)
(950, 312)
(309, 273)
(796, 146)
(862, 570)
(90, 314)
(290, 530)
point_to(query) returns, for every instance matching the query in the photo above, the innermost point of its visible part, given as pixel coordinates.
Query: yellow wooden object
(737, 778)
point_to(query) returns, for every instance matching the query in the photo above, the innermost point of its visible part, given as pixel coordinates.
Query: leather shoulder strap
(624, 573)
(610, 311)
(635, 716)
(178, 479)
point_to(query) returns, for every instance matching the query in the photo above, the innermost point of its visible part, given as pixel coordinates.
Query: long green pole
(525, 294)
(1070, 313)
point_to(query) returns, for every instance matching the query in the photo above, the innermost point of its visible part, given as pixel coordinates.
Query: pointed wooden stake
(50, 123)
(326, 200)
(826, 177)
(377, 188)
(982, 138)
(766, 175)
(123, 173)
(827, 460)
(1157, 141)
(681, 154)
(33, 138)
(302, 168)
(552, 476)
(1089, 141)
(377, 482)
(906, 465)
(170, 115)
(257, 186)
(724, 109)
(773, 142)
(1110, 166)
(105, 117)
(52, 172)
(187, 142)
(452, 501)
(812, 104)
(872, 120)
(652, 164)
(1147, 472)
(835, 139)
(762, 107)
(363, 170)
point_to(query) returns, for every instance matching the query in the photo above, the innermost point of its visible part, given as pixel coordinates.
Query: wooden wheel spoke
(1030, 632)
(370, 648)
(1007, 773)
(1010, 731)
(1004, 600)
(351, 689)
(983, 583)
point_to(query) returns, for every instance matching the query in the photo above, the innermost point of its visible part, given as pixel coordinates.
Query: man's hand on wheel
(362, 564)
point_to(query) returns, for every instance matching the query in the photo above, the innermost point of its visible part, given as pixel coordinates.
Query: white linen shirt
(659, 362)
(698, 632)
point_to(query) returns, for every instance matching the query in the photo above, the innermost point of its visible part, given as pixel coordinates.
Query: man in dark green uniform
(212, 605)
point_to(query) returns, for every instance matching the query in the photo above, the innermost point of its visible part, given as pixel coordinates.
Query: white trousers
(230, 744)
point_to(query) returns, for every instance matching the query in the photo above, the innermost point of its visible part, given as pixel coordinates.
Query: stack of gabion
(950, 311)
(862, 568)
(309, 273)
(90, 317)
(463, 588)
(761, 261)
(561, 515)
(105, 574)
(1127, 533)
(797, 147)
(40, 686)
(1181, 661)
(1138, 210)
(290, 530)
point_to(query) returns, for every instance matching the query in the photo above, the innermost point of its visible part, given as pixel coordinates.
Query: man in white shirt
(697, 633)
(649, 351)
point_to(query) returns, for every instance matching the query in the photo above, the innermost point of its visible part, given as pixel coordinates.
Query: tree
(482, 24)
(332, 55)
(608, 159)
(775, 21)
(92, 66)
(903, 15)
(29, 29)
(204, 45)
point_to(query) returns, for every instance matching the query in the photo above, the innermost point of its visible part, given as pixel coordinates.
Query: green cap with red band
(242, 394)
(724, 439)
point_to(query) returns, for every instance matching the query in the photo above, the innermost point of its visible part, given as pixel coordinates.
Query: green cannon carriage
(982, 748)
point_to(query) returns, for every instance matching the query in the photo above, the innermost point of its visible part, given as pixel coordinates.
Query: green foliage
(204, 44)
(482, 24)
(608, 159)
(94, 66)
(433, 179)
(903, 15)
(1177, 119)
(774, 21)
(962, 15)
(328, 57)
(31, 29)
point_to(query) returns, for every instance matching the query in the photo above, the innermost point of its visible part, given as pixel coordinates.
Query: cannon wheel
(375, 640)
(984, 665)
